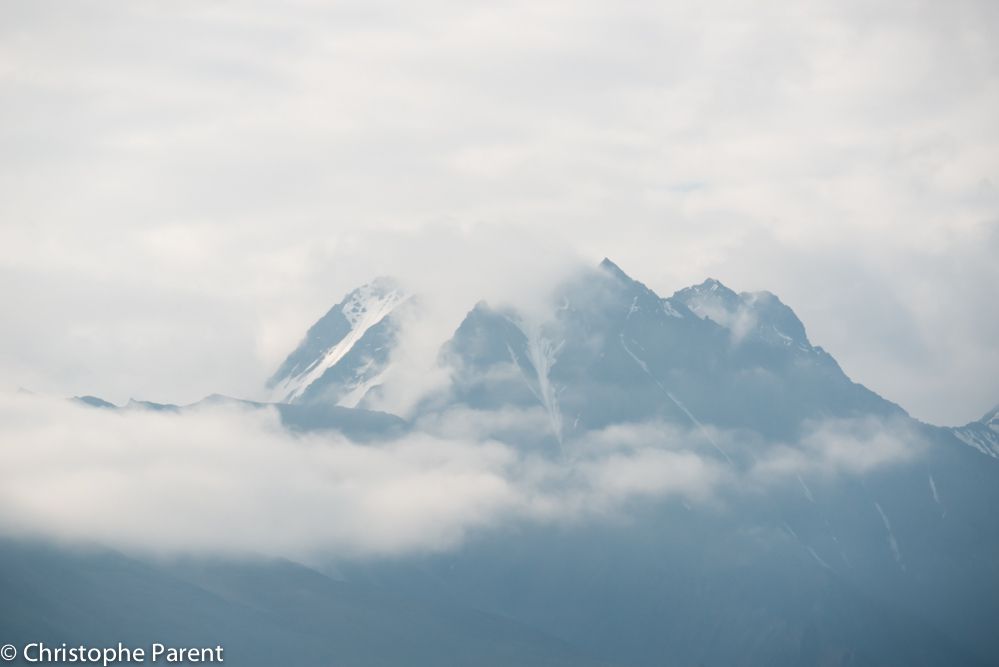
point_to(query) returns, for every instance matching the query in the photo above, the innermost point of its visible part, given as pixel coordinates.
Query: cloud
(843, 446)
(449, 271)
(198, 183)
(232, 481)
(228, 480)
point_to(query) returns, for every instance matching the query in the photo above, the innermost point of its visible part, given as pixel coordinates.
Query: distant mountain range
(897, 565)
(611, 350)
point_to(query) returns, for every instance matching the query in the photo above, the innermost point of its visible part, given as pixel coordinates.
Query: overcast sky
(186, 186)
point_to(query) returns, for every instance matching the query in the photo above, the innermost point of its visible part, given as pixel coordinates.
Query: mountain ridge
(842, 531)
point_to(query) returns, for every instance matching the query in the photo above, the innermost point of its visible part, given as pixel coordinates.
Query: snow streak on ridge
(364, 308)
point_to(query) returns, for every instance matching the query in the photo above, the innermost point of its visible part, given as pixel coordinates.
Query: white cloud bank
(223, 480)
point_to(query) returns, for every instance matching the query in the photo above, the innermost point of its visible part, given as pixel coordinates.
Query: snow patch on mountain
(892, 542)
(670, 310)
(984, 439)
(362, 309)
(543, 353)
(982, 435)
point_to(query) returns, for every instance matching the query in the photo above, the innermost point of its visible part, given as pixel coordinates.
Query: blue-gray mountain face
(895, 562)
(613, 351)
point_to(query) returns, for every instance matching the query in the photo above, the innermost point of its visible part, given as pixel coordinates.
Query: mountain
(610, 350)
(355, 423)
(345, 353)
(890, 567)
(842, 531)
(613, 351)
(262, 612)
(95, 402)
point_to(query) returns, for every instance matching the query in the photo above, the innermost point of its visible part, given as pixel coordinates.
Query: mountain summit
(608, 350)
(866, 566)
(343, 354)
(689, 479)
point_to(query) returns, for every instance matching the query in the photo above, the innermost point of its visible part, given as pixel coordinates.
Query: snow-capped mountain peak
(345, 345)
(367, 304)
(608, 349)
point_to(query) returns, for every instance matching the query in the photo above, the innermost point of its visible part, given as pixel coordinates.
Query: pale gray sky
(186, 186)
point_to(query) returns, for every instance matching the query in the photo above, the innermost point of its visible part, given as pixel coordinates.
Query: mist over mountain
(615, 478)
(608, 350)
(308, 352)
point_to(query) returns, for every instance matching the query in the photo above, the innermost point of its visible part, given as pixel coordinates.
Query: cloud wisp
(231, 481)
